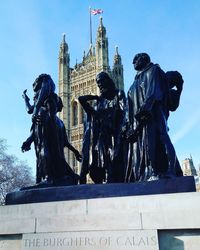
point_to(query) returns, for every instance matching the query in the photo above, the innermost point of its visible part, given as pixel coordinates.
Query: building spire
(63, 46)
(101, 21)
(102, 48)
(101, 28)
(117, 57)
(64, 35)
(116, 50)
(117, 70)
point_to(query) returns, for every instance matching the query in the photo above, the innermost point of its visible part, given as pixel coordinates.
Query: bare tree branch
(14, 174)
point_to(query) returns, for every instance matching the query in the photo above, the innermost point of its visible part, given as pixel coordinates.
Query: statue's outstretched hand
(24, 95)
(26, 146)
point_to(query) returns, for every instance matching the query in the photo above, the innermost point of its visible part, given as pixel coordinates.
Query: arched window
(75, 114)
(81, 115)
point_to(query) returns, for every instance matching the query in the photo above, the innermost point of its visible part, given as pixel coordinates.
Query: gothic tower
(64, 81)
(64, 84)
(81, 80)
(102, 60)
(117, 70)
(188, 167)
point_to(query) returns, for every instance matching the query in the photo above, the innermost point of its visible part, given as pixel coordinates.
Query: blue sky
(31, 32)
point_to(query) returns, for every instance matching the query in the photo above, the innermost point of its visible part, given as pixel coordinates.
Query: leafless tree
(14, 174)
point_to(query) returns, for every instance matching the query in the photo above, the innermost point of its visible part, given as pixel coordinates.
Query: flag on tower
(93, 12)
(96, 11)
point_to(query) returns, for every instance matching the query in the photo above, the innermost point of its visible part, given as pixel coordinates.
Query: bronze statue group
(125, 138)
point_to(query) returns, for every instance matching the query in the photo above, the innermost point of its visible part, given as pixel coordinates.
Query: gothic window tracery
(81, 115)
(75, 114)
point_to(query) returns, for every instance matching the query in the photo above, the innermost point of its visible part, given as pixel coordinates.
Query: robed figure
(104, 155)
(151, 153)
(49, 136)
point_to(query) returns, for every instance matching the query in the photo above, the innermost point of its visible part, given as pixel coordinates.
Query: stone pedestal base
(146, 222)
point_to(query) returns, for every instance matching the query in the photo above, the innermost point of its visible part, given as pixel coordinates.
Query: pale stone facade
(80, 80)
(188, 167)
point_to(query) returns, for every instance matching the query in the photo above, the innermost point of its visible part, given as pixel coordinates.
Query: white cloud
(188, 125)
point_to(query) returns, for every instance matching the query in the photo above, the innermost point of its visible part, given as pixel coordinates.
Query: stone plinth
(163, 186)
(145, 222)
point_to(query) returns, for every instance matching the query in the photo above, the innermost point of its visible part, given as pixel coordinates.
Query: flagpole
(90, 26)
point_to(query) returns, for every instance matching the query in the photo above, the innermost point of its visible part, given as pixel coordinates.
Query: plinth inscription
(134, 239)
